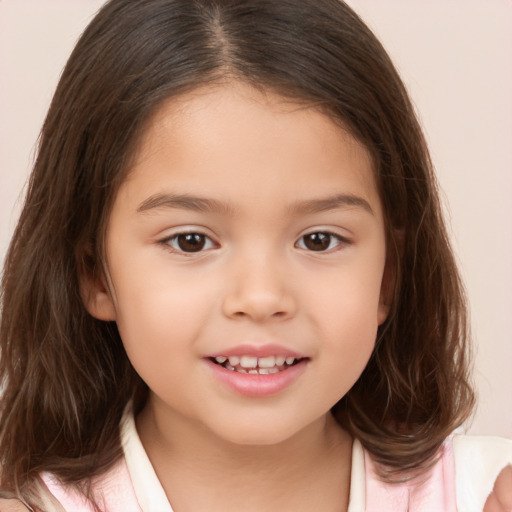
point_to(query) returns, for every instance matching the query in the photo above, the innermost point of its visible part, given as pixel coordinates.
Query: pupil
(191, 242)
(317, 241)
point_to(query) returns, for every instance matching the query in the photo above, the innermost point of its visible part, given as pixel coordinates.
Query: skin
(12, 506)
(265, 163)
(255, 281)
(500, 499)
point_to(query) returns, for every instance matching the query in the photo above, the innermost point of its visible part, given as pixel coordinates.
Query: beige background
(455, 56)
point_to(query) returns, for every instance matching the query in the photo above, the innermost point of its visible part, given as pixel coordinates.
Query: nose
(260, 290)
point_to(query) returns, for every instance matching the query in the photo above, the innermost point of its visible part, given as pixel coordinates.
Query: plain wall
(455, 57)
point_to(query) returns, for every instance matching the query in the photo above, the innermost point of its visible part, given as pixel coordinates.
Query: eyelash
(324, 235)
(205, 242)
(168, 242)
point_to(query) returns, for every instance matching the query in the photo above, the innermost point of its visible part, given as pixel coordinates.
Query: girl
(230, 287)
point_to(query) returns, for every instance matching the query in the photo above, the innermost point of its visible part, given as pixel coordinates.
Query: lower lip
(256, 385)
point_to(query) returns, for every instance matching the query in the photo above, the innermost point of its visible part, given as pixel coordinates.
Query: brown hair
(65, 376)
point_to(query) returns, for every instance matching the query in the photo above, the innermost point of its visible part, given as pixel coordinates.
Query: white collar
(151, 495)
(148, 489)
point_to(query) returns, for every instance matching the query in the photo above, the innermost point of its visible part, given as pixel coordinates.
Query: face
(245, 254)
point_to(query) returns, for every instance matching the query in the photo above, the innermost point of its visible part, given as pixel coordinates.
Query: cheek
(348, 315)
(352, 332)
(159, 315)
(347, 354)
(348, 300)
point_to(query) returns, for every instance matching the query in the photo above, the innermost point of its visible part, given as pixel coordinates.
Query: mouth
(253, 365)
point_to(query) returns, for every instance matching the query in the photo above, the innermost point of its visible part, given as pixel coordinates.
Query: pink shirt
(459, 482)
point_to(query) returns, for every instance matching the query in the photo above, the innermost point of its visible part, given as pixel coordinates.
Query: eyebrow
(203, 204)
(332, 203)
(184, 202)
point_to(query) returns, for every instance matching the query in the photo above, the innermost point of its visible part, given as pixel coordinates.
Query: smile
(261, 373)
(256, 365)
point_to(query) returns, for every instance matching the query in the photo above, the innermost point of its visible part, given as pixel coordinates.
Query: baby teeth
(253, 365)
(234, 360)
(267, 362)
(248, 362)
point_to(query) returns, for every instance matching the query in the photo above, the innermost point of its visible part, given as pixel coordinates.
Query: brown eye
(190, 242)
(320, 241)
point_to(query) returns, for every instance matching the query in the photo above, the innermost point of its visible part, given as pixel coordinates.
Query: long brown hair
(65, 376)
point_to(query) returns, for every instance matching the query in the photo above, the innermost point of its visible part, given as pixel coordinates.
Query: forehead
(241, 137)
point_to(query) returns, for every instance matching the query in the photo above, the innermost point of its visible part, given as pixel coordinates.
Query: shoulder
(37, 493)
(112, 491)
(12, 505)
(490, 448)
(460, 480)
(433, 490)
(478, 461)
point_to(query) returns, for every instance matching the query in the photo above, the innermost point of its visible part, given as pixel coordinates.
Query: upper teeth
(256, 362)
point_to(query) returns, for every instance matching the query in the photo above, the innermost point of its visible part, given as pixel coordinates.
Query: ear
(95, 292)
(386, 293)
(387, 288)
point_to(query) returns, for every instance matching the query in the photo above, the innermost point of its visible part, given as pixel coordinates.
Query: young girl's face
(245, 254)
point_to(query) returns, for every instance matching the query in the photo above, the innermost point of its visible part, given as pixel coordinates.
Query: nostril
(258, 304)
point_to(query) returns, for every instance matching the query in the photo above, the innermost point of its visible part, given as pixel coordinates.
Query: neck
(200, 471)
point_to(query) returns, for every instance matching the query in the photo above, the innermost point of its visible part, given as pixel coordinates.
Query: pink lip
(257, 351)
(255, 385)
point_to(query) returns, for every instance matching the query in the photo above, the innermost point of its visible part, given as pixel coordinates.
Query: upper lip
(269, 349)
